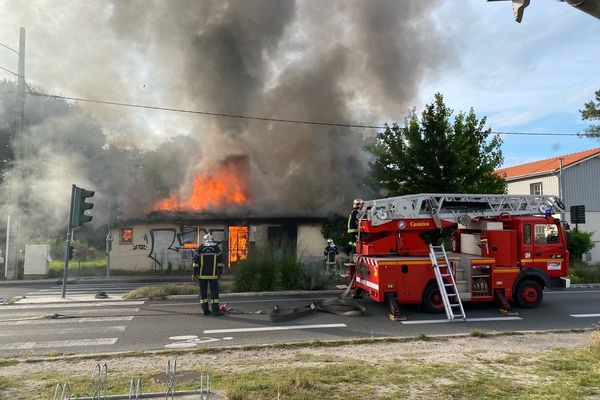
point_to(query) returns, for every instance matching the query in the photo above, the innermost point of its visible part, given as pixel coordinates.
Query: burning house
(218, 203)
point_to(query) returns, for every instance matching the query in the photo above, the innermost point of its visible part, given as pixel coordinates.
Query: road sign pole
(69, 237)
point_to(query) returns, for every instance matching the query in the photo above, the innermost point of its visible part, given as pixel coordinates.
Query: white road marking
(570, 292)
(441, 321)
(585, 315)
(245, 301)
(184, 337)
(65, 321)
(72, 305)
(189, 341)
(72, 313)
(58, 343)
(95, 329)
(275, 328)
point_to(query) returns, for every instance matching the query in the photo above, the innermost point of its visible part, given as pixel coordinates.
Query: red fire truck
(504, 248)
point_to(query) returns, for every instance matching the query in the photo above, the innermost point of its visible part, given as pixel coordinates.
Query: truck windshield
(546, 234)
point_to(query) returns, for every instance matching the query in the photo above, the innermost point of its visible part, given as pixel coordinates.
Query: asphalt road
(109, 326)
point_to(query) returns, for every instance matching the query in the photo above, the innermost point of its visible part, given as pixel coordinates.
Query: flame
(238, 243)
(224, 186)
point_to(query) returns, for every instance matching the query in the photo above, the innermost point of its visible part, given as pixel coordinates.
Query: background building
(574, 177)
(167, 240)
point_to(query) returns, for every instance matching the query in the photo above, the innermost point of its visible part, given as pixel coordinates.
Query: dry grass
(160, 292)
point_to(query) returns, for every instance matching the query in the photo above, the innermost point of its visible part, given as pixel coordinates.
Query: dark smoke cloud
(356, 61)
(298, 60)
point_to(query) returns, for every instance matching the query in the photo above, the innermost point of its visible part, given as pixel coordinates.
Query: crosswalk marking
(72, 305)
(65, 321)
(65, 331)
(58, 343)
(585, 315)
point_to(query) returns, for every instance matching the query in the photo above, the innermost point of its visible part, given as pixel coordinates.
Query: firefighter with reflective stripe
(330, 252)
(357, 204)
(207, 269)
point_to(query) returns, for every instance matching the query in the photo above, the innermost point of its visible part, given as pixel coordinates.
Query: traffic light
(80, 206)
(70, 252)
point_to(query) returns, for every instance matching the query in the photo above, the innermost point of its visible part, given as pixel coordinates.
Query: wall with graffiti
(166, 247)
(158, 247)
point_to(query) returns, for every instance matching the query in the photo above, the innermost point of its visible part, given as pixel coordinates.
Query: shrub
(255, 273)
(314, 277)
(581, 272)
(580, 243)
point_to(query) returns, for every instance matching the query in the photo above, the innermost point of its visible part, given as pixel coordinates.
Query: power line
(10, 48)
(10, 72)
(289, 121)
(249, 117)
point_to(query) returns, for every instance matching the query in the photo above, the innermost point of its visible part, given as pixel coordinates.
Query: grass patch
(479, 334)
(160, 292)
(559, 374)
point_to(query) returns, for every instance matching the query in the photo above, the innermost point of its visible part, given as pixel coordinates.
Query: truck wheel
(529, 294)
(432, 299)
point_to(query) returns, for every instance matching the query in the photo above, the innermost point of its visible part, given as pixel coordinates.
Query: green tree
(580, 243)
(434, 155)
(591, 112)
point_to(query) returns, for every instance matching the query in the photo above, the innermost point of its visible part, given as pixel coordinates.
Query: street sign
(578, 214)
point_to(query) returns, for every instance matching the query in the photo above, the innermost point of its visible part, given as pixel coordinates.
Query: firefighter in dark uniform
(330, 252)
(353, 225)
(207, 269)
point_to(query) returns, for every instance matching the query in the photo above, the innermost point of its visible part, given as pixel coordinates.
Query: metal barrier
(99, 374)
(62, 391)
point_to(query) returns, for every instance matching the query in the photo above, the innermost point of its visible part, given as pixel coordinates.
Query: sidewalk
(87, 298)
(98, 279)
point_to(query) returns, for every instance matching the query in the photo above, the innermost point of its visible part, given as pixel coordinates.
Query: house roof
(549, 165)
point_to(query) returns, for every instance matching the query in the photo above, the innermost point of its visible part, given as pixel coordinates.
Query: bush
(580, 243)
(314, 277)
(581, 272)
(255, 273)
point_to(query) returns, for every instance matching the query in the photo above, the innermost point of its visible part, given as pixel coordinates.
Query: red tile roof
(547, 165)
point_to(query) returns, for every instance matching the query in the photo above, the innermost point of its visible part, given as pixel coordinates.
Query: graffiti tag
(140, 247)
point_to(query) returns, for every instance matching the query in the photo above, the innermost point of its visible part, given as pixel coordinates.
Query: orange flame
(224, 186)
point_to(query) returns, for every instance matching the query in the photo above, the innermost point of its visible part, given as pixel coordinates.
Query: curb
(251, 294)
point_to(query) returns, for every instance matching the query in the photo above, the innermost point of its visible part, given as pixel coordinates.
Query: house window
(126, 236)
(536, 188)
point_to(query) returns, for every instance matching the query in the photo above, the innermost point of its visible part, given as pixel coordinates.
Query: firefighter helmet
(208, 239)
(330, 241)
(358, 203)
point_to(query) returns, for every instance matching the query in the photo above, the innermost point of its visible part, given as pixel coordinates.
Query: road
(111, 326)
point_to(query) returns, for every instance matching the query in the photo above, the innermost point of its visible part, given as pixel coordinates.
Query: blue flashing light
(549, 212)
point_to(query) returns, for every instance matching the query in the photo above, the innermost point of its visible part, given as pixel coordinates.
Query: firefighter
(207, 269)
(330, 252)
(353, 225)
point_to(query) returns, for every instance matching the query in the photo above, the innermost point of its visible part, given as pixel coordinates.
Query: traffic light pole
(69, 238)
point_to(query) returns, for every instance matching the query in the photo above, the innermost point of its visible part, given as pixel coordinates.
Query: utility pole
(12, 254)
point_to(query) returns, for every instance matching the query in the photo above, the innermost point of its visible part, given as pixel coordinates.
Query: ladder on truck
(457, 207)
(448, 290)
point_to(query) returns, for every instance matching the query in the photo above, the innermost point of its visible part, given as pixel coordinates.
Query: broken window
(126, 236)
(238, 243)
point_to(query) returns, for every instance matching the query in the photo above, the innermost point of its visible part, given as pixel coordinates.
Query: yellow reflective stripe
(208, 276)
(506, 271)
(202, 301)
(532, 260)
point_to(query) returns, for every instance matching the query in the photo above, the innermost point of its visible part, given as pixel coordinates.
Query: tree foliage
(580, 243)
(431, 154)
(591, 112)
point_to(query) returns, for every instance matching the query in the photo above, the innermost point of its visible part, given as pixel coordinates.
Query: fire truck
(504, 248)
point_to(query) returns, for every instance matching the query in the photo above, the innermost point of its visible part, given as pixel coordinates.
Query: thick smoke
(332, 61)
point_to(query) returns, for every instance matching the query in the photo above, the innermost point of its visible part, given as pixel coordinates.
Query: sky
(527, 77)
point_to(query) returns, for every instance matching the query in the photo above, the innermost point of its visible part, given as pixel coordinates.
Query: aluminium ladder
(453, 207)
(448, 291)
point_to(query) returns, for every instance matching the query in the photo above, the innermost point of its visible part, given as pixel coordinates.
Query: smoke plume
(334, 61)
